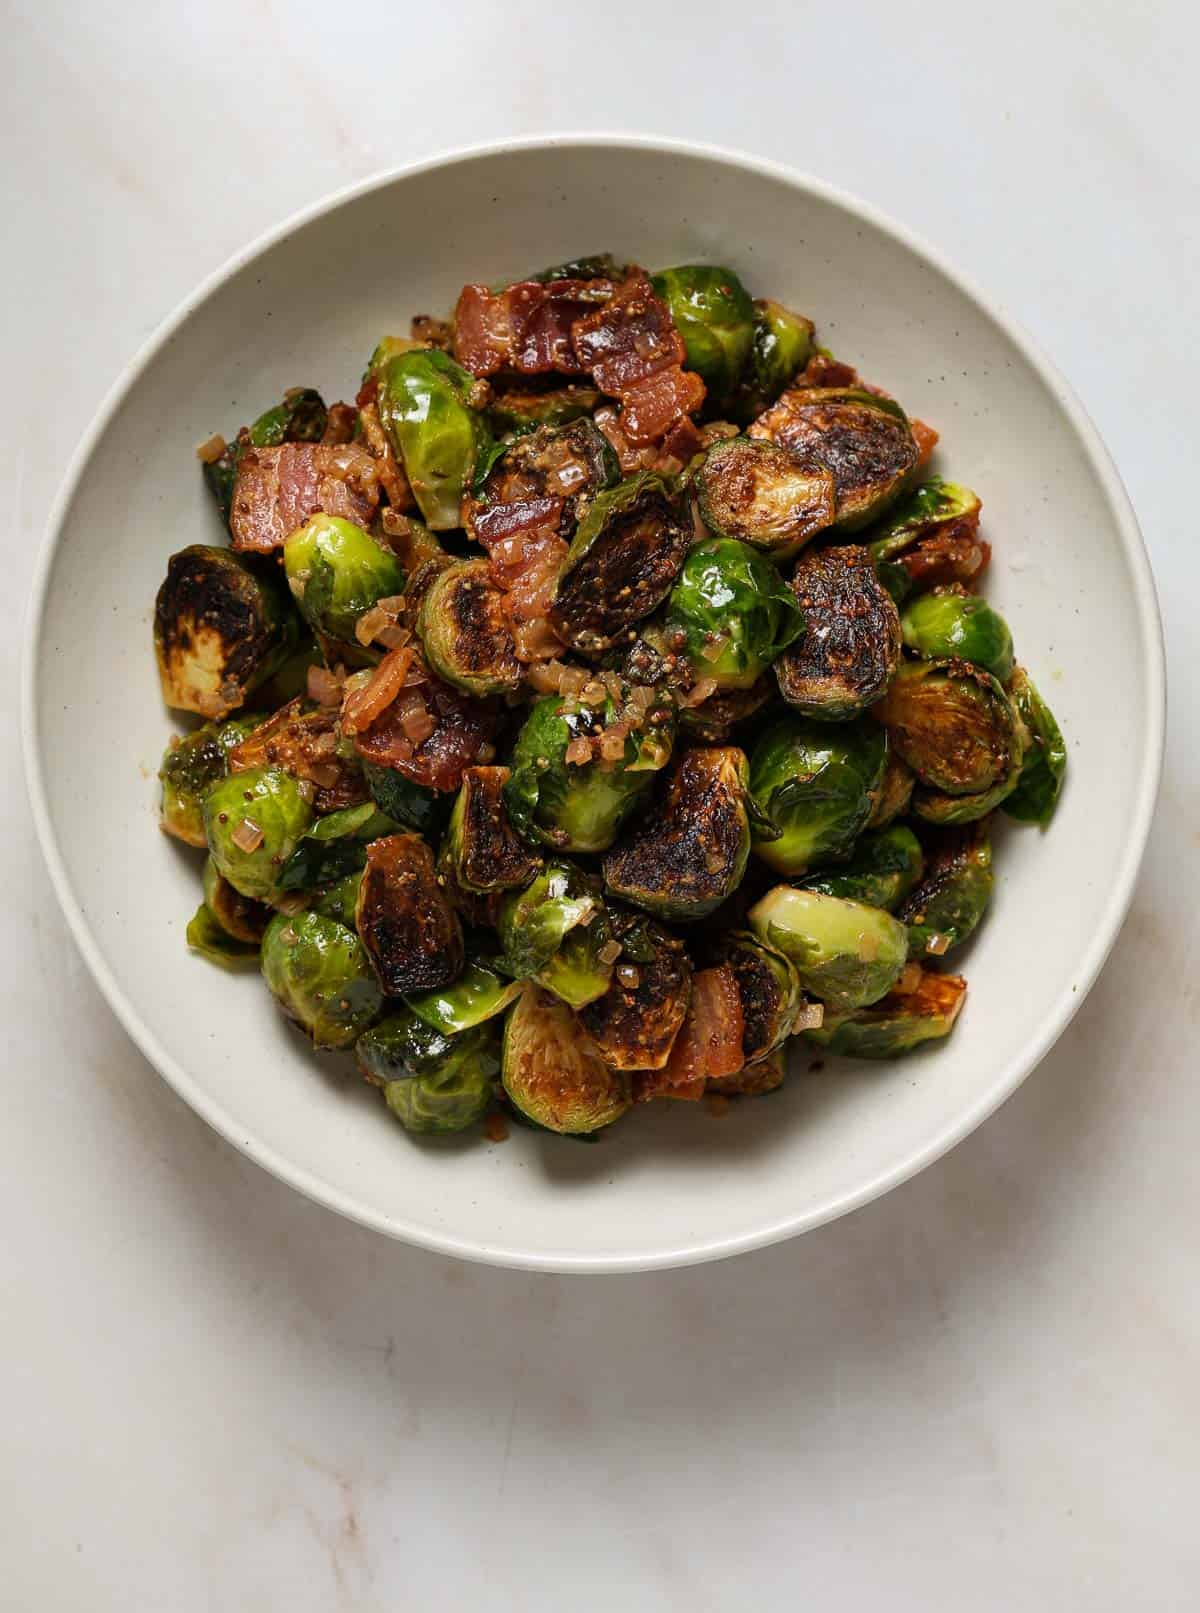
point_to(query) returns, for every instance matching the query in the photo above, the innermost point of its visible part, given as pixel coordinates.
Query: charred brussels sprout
(882, 870)
(689, 853)
(426, 409)
(894, 795)
(412, 935)
(336, 572)
(753, 1080)
(715, 317)
(319, 974)
(713, 721)
(465, 633)
(816, 784)
(782, 344)
(431, 1082)
(551, 1071)
(734, 612)
(222, 626)
(253, 822)
(635, 1022)
(555, 932)
(851, 645)
(209, 937)
(949, 622)
(956, 728)
(862, 439)
(948, 904)
(579, 804)
(565, 461)
(1040, 782)
(240, 917)
(935, 507)
(897, 1023)
(845, 953)
(189, 766)
(622, 561)
(769, 989)
(301, 417)
(760, 494)
(481, 848)
(479, 994)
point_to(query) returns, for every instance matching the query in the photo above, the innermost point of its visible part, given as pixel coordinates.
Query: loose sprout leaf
(1035, 797)
(207, 937)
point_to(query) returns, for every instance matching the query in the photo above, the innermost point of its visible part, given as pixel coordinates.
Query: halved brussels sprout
(851, 644)
(688, 854)
(555, 932)
(715, 317)
(882, 870)
(339, 901)
(414, 805)
(222, 625)
(863, 439)
(189, 766)
(956, 728)
(637, 1019)
(425, 404)
(816, 784)
(305, 740)
(253, 822)
(480, 846)
(578, 805)
(936, 506)
(845, 953)
(595, 266)
(754, 1080)
(334, 846)
(565, 461)
(732, 613)
(479, 994)
(951, 623)
(240, 917)
(952, 897)
(713, 721)
(432, 1083)
(782, 345)
(207, 936)
(621, 563)
(1045, 763)
(897, 1023)
(551, 1071)
(769, 989)
(519, 408)
(465, 633)
(760, 494)
(412, 935)
(319, 974)
(894, 794)
(336, 572)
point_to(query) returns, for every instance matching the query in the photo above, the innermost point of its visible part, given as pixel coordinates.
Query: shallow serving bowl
(667, 1185)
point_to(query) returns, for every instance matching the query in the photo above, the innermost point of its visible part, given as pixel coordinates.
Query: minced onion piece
(810, 1018)
(247, 836)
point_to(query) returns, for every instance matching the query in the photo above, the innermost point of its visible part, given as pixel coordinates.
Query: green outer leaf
(207, 937)
(928, 506)
(883, 869)
(424, 407)
(479, 994)
(1035, 798)
(413, 805)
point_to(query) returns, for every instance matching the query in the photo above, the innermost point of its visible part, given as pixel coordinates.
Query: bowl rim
(1006, 1080)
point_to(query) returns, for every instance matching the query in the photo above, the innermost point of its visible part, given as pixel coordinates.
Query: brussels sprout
(426, 409)
(863, 439)
(952, 897)
(816, 784)
(411, 933)
(754, 1080)
(580, 805)
(955, 727)
(567, 461)
(554, 932)
(336, 572)
(334, 846)
(483, 851)
(207, 936)
(714, 720)
(479, 994)
(845, 953)
(760, 494)
(221, 627)
(189, 766)
(1041, 778)
(305, 740)
(733, 611)
(414, 805)
(464, 630)
(935, 506)
(769, 989)
(894, 794)
(518, 409)
(687, 855)
(241, 919)
(253, 822)
(599, 266)
(340, 901)
(431, 1082)
(622, 561)
(851, 645)
(318, 972)
(637, 1019)
(897, 1023)
(949, 622)
(883, 869)
(715, 317)
(552, 1073)
(783, 344)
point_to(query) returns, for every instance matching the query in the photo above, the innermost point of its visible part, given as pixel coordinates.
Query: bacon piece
(526, 327)
(926, 439)
(635, 354)
(630, 458)
(340, 423)
(277, 489)
(525, 563)
(366, 701)
(461, 727)
(823, 369)
(304, 743)
(956, 553)
(709, 1044)
(651, 407)
(495, 521)
(379, 445)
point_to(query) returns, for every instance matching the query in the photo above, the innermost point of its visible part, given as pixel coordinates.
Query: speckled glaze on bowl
(305, 305)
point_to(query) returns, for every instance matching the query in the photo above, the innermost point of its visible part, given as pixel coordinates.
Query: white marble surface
(980, 1392)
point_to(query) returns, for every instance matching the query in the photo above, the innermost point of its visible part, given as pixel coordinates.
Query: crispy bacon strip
(956, 553)
(709, 1044)
(277, 489)
(635, 354)
(526, 327)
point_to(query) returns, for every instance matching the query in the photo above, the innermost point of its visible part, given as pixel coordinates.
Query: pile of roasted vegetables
(599, 701)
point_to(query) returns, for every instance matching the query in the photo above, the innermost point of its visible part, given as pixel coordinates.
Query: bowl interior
(669, 1183)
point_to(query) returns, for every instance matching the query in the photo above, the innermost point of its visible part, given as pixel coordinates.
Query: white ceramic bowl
(668, 1185)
